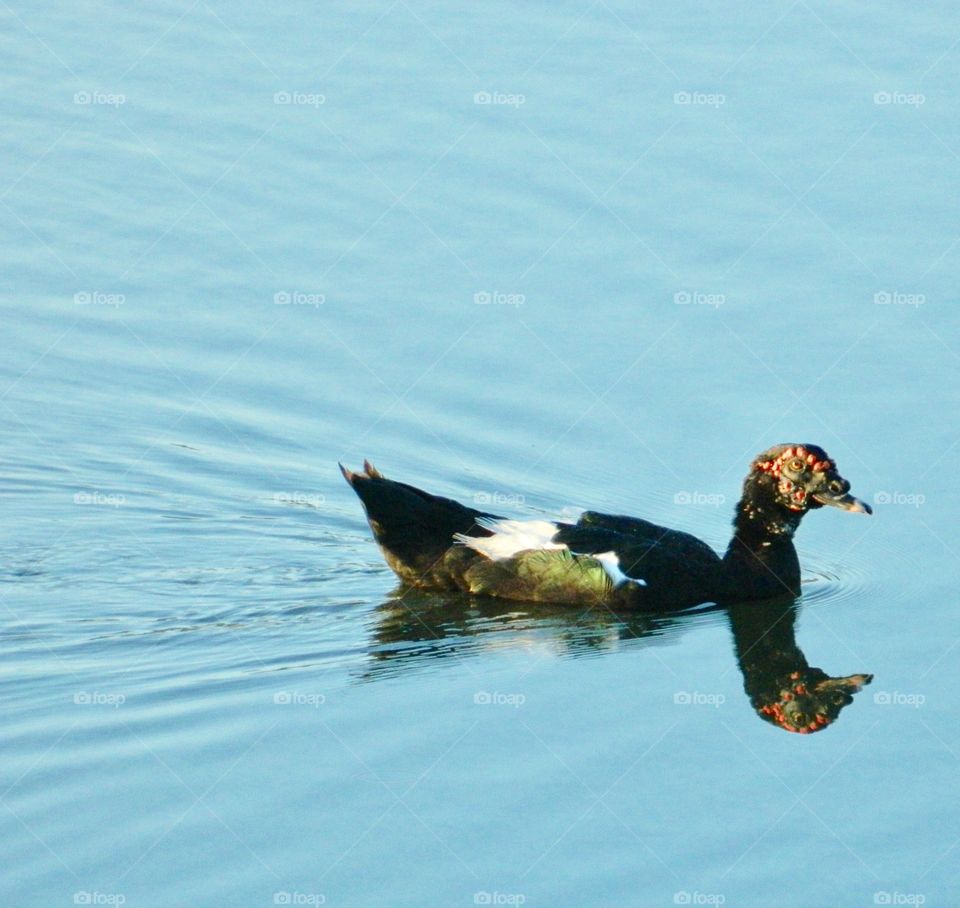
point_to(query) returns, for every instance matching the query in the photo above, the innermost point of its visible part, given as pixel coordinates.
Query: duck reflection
(783, 688)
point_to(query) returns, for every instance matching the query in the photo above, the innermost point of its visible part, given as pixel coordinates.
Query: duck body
(437, 543)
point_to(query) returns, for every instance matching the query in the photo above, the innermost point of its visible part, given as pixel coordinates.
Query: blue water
(549, 256)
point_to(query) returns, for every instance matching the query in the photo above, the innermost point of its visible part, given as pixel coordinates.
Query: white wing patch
(510, 537)
(611, 564)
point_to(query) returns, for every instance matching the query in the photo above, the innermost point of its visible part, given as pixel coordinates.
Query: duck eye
(836, 486)
(797, 465)
(800, 718)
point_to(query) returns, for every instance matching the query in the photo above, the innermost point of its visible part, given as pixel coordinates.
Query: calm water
(550, 256)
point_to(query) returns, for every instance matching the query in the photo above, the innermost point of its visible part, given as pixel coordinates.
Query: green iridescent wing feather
(542, 575)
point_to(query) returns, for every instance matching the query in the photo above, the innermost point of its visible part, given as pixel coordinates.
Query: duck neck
(765, 643)
(761, 561)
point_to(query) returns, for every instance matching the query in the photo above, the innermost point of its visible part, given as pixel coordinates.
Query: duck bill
(850, 684)
(844, 502)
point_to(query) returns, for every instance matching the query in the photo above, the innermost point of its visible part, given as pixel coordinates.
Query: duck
(784, 689)
(618, 562)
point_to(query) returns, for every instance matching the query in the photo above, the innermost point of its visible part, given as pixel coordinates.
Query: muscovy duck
(783, 687)
(436, 543)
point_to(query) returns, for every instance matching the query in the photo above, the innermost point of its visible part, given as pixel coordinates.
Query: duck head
(803, 477)
(787, 481)
(809, 700)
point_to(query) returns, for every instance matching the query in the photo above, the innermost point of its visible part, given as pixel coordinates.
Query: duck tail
(415, 530)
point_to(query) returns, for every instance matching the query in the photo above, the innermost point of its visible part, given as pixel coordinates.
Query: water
(606, 293)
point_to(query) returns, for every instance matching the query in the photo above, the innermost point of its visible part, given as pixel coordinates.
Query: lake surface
(536, 257)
